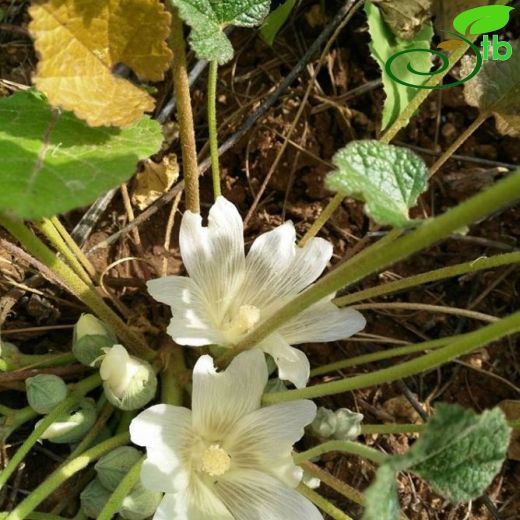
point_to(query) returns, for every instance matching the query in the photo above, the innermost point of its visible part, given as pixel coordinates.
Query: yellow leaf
(154, 180)
(81, 41)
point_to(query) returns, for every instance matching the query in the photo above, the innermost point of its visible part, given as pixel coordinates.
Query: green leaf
(496, 89)
(385, 44)
(381, 496)
(459, 452)
(482, 20)
(53, 162)
(275, 21)
(388, 178)
(208, 18)
(405, 17)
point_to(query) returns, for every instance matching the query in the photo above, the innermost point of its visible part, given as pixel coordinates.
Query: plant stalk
(374, 259)
(212, 127)
(468, 343)
(185, 114)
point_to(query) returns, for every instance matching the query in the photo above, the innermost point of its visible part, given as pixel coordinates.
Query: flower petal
(322, 321)
(264, 439)
(214, 255)
(276, 268)
(193, 316)
(219, 400)
(167, 434)
(197, 503)
(252, 495)
(292, 363)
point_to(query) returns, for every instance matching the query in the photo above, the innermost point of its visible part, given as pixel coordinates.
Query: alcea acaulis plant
(238, 452)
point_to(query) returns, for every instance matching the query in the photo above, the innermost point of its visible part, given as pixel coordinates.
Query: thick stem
(458, 142)
(172, 391)
(12, 420)
(185, 114)
(354, 448)
(376, 258)
(384, 354)
(55, 238)
(75, 396)
(391, 429)
(322, 503)
(76, 286)
(468, 343)
(122, 490)
(78, 252)
(431, 276)
(212, 126)
(62, 474)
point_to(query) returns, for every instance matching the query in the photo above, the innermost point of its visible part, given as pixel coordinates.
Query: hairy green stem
(171, 389)
(76, 250)
(78, 392)
(212, 127)
(12, 420)
(37, 516)
(122, 490)
(322, 503)
(78, 287)
(384, 354)
(55, 238)
(18, 361)
(181, 84)
(63, 473)
(354, 448)
(389, 429)
(466, 344)
(334, 483)
(431, 276)
(375, 258)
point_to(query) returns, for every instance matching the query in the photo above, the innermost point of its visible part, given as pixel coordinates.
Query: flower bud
(91, 336)
(141, 503)
(324, 424)
(129, 383)
(112, 467)
(348, 425)
(45, 392)
(8, 352)
(93, 498)
(72, 426)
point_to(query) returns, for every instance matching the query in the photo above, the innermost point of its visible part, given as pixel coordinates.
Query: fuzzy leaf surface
(209, 18)
(80, 42)
(389, 179)
(54, 162)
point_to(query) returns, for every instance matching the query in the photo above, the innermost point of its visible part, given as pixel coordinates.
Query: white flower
(129, 382)
(228, 294)
(227, 458)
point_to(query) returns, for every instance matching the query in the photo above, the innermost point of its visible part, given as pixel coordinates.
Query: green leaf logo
(482, 20)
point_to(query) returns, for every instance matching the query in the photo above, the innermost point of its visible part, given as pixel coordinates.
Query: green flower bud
(91, 336)
(348, 425)
(141, 503)
(8, 354)
(112, 467)
(45, 392)
(93, 498)
(72, 426)
(324, 424)
(129, 382)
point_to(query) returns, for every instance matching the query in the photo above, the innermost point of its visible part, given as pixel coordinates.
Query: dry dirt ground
(345, 104)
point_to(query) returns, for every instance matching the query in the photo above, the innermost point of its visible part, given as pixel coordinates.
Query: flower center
(215, 461)
(242, 322)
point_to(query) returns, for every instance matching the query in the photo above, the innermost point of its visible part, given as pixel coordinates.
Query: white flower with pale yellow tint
(227, 294)
(227, 458)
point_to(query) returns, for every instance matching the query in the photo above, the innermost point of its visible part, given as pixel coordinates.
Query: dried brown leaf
(155, 180)
(81, 41)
